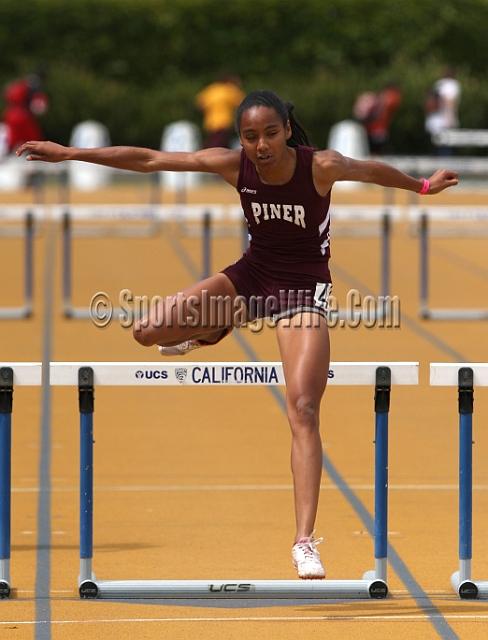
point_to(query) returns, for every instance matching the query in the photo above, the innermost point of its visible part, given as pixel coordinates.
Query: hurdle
(11, 373)
(466, 166)
(368, 221)
(465, 378)
(88, 375)
(423, 216)
(155, 216)
(461, 138)
(27, 215)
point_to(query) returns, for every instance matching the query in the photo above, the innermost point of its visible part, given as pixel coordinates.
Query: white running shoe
(306, 559)
(184, 347)
(181, 349)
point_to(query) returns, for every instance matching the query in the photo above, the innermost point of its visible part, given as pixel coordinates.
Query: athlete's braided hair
(265, 98)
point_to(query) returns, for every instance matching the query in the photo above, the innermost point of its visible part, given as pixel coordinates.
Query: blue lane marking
(418, 594)
(43, 559)
(411, 323)
(451, 257)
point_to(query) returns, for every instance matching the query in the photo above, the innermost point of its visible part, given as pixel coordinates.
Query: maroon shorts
(274, 292)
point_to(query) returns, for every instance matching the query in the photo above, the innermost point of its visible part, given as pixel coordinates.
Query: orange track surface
(194, 483)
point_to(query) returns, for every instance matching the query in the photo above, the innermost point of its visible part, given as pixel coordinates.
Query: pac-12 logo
(156, 375)
(181, 374)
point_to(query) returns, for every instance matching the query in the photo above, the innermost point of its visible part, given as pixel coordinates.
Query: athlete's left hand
(442, 179)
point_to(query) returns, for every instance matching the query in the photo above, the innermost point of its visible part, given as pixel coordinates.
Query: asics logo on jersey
(246, 190)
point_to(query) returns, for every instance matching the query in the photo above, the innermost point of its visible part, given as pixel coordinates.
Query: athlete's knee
(303, 411)
(142, 334)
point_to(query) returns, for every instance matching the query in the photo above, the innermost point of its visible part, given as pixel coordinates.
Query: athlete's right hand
(45, 151)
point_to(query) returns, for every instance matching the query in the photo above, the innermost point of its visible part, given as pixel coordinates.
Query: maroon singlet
(289, 240)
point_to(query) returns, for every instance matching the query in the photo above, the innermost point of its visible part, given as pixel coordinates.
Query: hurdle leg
(382, 407)
(155, 188)
(29, 264)
(206, 245)
(385, 255)
(6, 397)
(461, 581)
(67, 265)
(63, 185)
(86, 398)
(424, 267)
(379, 588)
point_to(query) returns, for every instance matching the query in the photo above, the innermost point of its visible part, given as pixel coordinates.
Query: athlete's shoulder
(220, 156)
(225, 162)
(327, 157)
(328, 163)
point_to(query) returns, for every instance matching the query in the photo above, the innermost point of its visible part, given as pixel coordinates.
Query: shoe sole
(309, 577)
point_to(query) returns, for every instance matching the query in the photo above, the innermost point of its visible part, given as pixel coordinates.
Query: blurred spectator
(375, 112)
(25, 100)
(441, 107)
(219, 102)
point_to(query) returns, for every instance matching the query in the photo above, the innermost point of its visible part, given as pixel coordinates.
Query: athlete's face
(263, 136)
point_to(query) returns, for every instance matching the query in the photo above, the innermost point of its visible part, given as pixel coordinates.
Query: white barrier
(349, 138)
(141, 374)
(83, 175)
(181, 136)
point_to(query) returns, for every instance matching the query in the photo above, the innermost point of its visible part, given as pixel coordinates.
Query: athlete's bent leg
(202, 311)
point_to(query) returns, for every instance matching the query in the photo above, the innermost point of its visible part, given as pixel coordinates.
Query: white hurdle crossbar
(12, 374)
(465, 377)
(423, 217)
(155, 215)
(87, 375)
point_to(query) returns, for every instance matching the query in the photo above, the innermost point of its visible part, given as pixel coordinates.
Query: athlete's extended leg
(202, 311)
(305, 353)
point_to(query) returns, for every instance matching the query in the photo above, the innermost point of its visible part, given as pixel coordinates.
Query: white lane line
(255, 487)
(399, 617)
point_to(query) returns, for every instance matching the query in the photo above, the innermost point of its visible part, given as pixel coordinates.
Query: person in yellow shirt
(218, 102)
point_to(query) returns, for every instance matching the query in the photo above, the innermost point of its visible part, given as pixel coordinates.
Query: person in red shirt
(24, 101)
(379, 121)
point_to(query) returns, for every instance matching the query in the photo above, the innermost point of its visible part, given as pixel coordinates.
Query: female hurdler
(285, 186)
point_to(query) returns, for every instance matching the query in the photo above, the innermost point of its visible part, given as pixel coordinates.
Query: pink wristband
(425, 188)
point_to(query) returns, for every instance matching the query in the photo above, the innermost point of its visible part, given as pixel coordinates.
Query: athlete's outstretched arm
(331, 165)
(221, 161)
